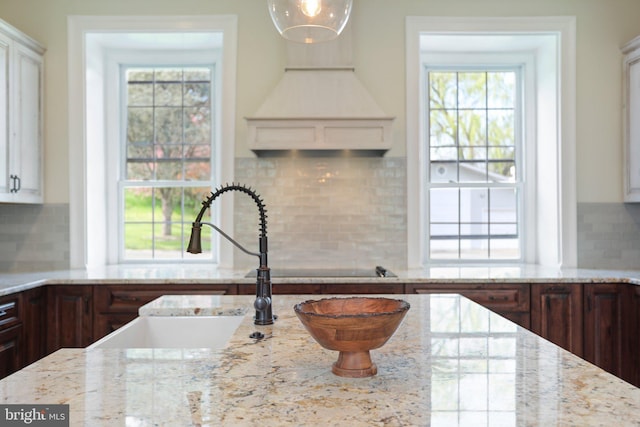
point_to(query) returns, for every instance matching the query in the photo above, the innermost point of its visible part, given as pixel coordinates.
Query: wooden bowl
(353, 326)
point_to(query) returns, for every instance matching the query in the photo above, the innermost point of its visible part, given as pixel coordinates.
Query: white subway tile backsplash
(327, 212)
(322, 213)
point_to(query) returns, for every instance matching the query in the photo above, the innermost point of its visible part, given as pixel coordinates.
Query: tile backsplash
(326, 212)
(323, 212)
(34, 237)
(609, 235)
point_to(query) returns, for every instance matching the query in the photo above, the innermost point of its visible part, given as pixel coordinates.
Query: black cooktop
(328, 272)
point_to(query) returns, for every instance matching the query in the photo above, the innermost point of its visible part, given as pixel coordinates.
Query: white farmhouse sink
(172, 332)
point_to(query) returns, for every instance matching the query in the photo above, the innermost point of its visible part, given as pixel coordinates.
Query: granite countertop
(451, 362)
(202, 273)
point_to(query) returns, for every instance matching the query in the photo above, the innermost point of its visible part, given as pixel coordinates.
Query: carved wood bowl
(353, 326)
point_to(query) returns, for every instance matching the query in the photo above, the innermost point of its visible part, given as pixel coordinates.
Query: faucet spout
(263, 302)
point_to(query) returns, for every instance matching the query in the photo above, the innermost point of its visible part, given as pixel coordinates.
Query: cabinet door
(5, 181)
(631, 146)
(605, 306)
(10, 350)
(35, 324)
(631, 357)
(69, 316)
(26, 149)
(556, 314)
(10, 334)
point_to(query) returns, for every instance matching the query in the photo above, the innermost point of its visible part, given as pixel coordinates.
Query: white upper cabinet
(631, 120)
(21, 117)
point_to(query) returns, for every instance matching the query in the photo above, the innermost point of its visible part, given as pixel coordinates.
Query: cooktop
(327, 272)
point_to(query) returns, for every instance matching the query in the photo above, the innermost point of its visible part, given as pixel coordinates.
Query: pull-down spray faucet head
(195, 241)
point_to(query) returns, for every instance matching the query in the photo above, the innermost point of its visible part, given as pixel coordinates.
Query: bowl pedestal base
(356, 364)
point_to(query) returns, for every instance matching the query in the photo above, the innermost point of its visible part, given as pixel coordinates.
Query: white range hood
(319, 104)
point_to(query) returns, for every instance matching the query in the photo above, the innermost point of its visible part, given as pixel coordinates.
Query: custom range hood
(319, 104)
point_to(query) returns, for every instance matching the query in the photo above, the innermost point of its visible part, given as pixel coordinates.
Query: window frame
(89, 130)
(552, 41)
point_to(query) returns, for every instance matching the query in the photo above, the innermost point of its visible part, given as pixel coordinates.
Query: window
(99, 47)
(541, 187)
(474, 180)
(167, 158)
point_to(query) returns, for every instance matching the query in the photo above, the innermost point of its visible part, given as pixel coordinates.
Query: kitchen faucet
(263, 301)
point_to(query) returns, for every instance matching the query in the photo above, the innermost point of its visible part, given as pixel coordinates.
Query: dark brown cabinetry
(69, 316)
(632, 369)
(556, 314)
(596, 321)
(508, 300)
(327, 288)
(606, 309)
(116, 305)
(10, 353)
(10, 334)
(35, 324)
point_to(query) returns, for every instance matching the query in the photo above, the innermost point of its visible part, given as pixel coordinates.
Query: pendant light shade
(310, 21)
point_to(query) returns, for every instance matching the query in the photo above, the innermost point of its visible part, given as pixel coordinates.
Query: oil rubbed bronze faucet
(263, 302)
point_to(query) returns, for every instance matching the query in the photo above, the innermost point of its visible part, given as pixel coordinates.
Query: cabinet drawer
(127, 299)
(9, 311)
(500, 297)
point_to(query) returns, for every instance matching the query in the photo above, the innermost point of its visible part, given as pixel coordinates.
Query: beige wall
(378, 36)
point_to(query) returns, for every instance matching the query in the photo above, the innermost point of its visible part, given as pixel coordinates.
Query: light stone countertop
(202, 273)
(451, 362)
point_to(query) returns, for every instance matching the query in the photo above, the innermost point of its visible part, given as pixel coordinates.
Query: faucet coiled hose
(244, 189)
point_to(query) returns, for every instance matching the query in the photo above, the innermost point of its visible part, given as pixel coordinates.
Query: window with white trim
(544, 50)
(475, 183)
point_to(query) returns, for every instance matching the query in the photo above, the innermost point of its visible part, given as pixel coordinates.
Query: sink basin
(172, 332)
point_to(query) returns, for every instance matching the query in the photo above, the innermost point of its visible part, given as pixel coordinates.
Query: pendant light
(310, 21)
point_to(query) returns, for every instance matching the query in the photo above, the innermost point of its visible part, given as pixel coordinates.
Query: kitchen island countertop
(451, 362)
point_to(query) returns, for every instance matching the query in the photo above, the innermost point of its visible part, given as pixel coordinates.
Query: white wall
(378, 42)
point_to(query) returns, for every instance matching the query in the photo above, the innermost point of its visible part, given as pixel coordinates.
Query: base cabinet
(556, 314)
(632, 368)
(605, 313)
(35, 324)
(11, 334)
(69, 317)
(10, 350)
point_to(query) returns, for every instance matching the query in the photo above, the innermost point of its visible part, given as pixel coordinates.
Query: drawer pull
(5, 307)
(557, 289)
(502, 298)
(126, 298)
